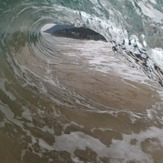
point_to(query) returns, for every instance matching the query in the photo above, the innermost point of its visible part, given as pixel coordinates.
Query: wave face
(77, 100)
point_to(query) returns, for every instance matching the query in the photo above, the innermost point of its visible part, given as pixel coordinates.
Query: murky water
(92, 110)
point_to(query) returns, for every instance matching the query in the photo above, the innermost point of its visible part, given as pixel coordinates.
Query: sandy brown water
(74, 111)
(108, 90)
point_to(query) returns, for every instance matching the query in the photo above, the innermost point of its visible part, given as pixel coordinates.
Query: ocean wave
(83, 90)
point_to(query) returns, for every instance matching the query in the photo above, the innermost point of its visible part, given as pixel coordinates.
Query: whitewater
(72, 97)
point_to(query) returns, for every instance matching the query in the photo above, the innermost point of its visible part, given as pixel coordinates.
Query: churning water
(76, 100)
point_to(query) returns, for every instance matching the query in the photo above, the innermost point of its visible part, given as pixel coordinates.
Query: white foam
(153, 1)
(45, 145)
(7, 92)
(109, 28)
(157, 57)
(152, 13)
(99, 56)
(120, 150)
(78, 140)
(27, 114)
(124, 148)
